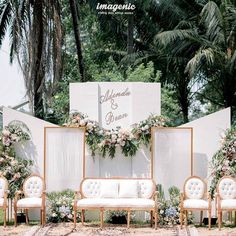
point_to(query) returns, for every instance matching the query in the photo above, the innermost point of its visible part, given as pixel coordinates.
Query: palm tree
(36, 41)
(210, 46)
(74, 8)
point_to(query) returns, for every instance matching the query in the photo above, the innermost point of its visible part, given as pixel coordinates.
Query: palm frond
(212, 18)
(5, 17)
(202, 55)
(169, 37)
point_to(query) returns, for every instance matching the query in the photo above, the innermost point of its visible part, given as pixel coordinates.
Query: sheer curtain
(64, 158)
(172, 152)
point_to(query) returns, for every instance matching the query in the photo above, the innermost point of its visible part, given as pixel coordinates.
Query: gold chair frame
(184, 211)
(218, 201)
(153, 211)
(42, 209)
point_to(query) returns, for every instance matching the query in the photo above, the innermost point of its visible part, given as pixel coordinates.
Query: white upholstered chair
(33, 196)
(226, 196)
(3, 196)
(193, 198)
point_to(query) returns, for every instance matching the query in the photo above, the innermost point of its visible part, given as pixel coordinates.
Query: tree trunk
(75, 17)
(130, 38)
(37, 71)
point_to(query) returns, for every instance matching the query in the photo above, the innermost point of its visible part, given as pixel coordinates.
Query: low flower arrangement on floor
(60, 206)
(168, 209)
(105, 141)
(12, 167)
(224, 161)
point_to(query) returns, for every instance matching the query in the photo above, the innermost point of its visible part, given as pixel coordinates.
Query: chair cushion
(109, 189)
(116, 202)
(128, 189)
(195, 204)
(228, 204)
(29, 202)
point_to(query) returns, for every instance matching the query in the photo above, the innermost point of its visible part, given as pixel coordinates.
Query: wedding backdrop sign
(63, 157)
(172, 151)
(115, 104)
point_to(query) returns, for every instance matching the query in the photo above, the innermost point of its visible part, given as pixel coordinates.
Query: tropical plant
(208, 45)
(36, 41)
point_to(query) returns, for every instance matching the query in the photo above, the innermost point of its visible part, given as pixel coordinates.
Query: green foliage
(168, 209)
(224, 160)
(12, 167)
(106, 141)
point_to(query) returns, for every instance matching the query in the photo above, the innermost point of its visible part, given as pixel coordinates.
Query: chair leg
(151, 218)
(75, 217)
(181, 218)
(26, 216)
(209, 219)
(15, 216)
(186, 218)
(235, 218)
(41, 216)
(5, 217)
(201, 215)
(128, 219)
(156, 219)
(219, 219)
(82, 216)
(101, 217)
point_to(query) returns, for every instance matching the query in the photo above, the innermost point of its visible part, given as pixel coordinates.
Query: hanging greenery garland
(105, 142)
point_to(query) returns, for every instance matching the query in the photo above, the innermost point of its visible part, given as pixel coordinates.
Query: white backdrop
(172, 153)
(63, 158)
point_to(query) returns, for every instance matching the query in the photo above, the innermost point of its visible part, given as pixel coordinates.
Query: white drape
(172, 157)
(64, 158)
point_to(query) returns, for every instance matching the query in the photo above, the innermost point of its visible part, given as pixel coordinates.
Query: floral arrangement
(224, 160)
(106, 141)
(168, 209)
(60, 206)
(13, 168)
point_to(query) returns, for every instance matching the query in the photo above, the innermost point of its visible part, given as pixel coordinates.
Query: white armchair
(3, 196)
(193, 199)
(226, 196)
(33, 196)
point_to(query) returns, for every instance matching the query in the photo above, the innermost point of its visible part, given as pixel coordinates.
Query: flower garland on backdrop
(105, 142)
(12, 167)
(224, 160)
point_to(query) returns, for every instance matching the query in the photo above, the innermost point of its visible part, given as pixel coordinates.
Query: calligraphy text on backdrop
(110, 96)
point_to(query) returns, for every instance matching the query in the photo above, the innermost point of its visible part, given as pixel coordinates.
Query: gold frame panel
(154, 129)
(62, 127)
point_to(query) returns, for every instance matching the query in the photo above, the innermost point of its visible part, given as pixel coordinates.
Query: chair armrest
(155, 197)
(181, 199)
(209, 199)
(76, 196)
(5, 197)
(17, 194)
